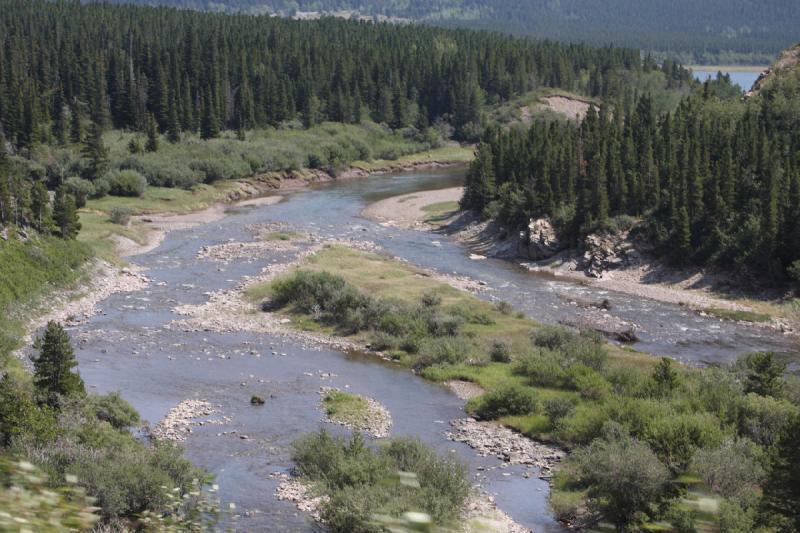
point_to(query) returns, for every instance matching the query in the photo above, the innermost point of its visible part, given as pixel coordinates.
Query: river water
(129, 348)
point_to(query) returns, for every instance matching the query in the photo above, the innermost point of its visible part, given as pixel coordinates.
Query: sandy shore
(407, 211)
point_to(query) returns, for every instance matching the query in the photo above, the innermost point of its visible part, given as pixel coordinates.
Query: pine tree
(152, 134)
(173, 124)
(76, 125)
(96, 152)
(65, 214)
(52, 375)
(209, 125)
(40, 207)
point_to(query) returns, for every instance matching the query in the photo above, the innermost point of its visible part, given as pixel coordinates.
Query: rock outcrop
(539, 241)
(607, 251)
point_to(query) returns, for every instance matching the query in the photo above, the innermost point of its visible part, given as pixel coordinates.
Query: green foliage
(29, 270)
(126, 183)
(763, 373)
(29, 502)
(53, 374)
(396, 478)
(112, 408)
(623, 475)
(509, 400)
(695, 194)
(500, 352)
(120, 215)
(20, 415)
(735, 470)
(558, 408)
(65, 214)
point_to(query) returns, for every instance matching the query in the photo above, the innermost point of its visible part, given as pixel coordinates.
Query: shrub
(80, 188)
(733, 470)
(382, 341)
(431, 299)
(363, 483)
(126, 183)
(322, 294)
(500, 352)
(112, 408)
(441, 350)
(582, 426)
(762, 418)
(676, 437)
(509, 400)
(101, 187)
(120, 215)
(504, 308)
(590, 384)
(542, 368)
(558, 408)
(552, 337)
(623, 477)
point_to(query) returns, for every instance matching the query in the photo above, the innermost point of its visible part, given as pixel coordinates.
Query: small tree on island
(53, 376)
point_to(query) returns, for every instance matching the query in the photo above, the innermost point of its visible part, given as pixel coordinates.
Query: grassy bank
(193, 174)
(674, 423)
(29, 273)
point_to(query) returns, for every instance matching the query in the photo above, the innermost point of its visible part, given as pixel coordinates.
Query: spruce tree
(65, 214)
(52, 374)
(96, 152)
(152, 134)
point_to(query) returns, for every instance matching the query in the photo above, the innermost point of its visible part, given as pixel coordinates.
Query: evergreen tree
(96, 152)
(65, 214)
(152, 134)
(52, 374)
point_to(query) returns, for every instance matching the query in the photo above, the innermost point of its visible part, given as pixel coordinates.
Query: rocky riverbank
(74, 307)
(178, 422)
(492, 439)
(615, 262)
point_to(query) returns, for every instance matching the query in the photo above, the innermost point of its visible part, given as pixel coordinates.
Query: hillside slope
(711, 30)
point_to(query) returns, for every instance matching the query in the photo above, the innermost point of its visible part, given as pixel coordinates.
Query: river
(130, 348)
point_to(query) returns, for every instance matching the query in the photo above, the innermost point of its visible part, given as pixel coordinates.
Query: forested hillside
(717, 181)
(715, 30)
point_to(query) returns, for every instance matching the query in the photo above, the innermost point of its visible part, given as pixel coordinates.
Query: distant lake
(744, 79)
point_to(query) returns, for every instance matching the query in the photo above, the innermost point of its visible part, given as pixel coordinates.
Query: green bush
(622, 476)
(543, 368)
(590, 384)
(500, 352)
(81, 189)
(558, 408)
(362, 482)
(509, 400)
(552, 337)
(734, 470)
(120, 215)
(675, 438)
(126, 183)
(112, 408)
(441, 350)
